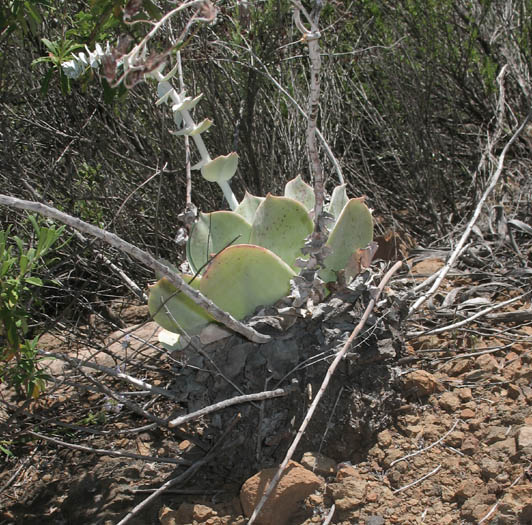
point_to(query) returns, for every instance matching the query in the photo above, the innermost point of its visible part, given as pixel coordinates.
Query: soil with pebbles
(434, 431)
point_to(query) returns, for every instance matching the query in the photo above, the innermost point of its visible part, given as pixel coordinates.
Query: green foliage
(19, 266)
(22, 15)
(59, 51)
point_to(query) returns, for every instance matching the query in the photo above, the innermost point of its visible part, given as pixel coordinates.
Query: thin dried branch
(332, 368)
(248, 398)
(106, 452)
(470, 319)
(142, 256)
(182, 477)
(139, 383)
(312, 38)
(469, 228)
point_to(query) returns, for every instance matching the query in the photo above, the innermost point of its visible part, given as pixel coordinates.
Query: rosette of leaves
(245, 258)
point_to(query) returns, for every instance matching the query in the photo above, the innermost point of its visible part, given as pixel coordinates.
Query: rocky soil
(450, 438)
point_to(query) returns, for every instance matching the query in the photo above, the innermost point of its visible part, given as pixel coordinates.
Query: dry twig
(144, 257)
(179, 479)
(227, 403)
(332, 368)
(105, 452)
(440, 275)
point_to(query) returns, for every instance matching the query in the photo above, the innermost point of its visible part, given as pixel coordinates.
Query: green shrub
(19, 265)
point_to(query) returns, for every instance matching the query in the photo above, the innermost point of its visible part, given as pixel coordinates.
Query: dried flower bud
(109, 68)
(123, 44)
(153, 62)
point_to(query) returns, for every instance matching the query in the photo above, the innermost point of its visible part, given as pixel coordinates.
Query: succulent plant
(246, 258)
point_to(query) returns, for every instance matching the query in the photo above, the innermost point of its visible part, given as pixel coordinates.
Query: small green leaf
(34, 280)
(222, 168)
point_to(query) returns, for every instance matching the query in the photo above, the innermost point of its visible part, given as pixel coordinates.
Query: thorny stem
(142, 256)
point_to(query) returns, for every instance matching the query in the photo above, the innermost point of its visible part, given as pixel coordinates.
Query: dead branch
(339, 356)
(144, 257)
(439, 276)
(459, 324)
(269, 394)
(182, 477)
(139, 383)
(105, 452)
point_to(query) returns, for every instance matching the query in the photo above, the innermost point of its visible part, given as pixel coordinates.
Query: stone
(495, 434)
(488, 363)
(478, 506)
(470, 445)
(524, 437)
(318, 463)
(385, 438)
(513, 391)
(467, 413)
(346, 470)
(349, 494)
(468, 488)
(295, 485)
(457, 368)
(516, 505)
(414, 431)
(186, 513)
(391, 456)
(455, 439)
(504, 449)
(420, 383)
(465, 394)
(449, 402)
(490, 468)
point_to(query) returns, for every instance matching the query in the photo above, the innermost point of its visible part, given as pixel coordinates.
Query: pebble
(449, 402)
(318, 463)
(420, 383)
(296, 484)
(467, 413)
(470, 445)
(524, 437)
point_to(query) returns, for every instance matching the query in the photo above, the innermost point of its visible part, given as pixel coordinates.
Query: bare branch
(339, 356)
(144, 257)
(438, 278)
